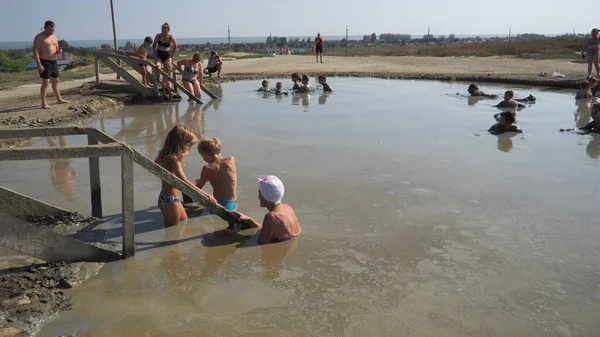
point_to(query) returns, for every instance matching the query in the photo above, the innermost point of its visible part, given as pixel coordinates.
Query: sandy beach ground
(20, 107)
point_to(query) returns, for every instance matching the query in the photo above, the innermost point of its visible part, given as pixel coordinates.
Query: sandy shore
(20, 107)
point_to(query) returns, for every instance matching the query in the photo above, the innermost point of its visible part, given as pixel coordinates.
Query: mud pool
(416, 222)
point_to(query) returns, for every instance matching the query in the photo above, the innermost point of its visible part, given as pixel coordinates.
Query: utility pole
(346, 40)
(112, 13)
(428, 34)
(509, 33)
(229, 37)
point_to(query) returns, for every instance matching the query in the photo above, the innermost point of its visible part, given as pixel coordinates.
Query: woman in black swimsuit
(163, 53)
(281, 223)
(191, 74)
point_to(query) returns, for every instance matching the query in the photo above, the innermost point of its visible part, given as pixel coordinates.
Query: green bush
(82, 61)
(15, 64)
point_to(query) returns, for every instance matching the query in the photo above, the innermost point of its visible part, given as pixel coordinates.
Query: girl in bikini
(177, 145)
(163, 52)
(191, 71)
(281, 223)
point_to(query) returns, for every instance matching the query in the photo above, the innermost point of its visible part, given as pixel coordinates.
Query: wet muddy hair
(305, 78)
(148, 40)
(295, 75)
(177, 143)
(264, 82)
(472, 88)
(510, 93)
(509, 116)
(595, 108)
(322, 78)
(209, 145)
(49, 24)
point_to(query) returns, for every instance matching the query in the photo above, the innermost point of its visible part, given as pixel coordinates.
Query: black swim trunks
(50, 69)
(319, 48)
(212, 69)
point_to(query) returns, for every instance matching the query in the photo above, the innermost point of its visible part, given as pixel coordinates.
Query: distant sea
(197, 40)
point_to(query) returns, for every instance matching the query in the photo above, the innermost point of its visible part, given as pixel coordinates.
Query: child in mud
(323, 81)
(305, 86)
(220, 172)
(279, 89)
(475, 92)
(590, 52)
(509, 102)
(505, 124)
(265, 87)
(177, 145)
(594, 125)
(143, 54)
(586, 88)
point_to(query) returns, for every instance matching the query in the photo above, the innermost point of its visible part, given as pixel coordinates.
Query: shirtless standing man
(45, 49)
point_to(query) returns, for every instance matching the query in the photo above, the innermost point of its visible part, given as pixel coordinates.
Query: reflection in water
(323, 98)
(583, 113)
(593, 148)
(273, 256)
(472, 100)
(195, 117)
(216, 89)
(505, 143)
(62, 175)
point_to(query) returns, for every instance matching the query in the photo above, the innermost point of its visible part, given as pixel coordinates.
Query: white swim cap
(271, 189)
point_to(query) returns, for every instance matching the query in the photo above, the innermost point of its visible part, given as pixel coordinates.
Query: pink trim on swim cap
(271, 189)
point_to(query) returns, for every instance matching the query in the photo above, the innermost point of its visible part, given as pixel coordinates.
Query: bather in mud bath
(265, 86)
(510, 102)
(505, 124)
(281, 223)
(177, 145)
(475, 92)
(594, 125)
(587, 89)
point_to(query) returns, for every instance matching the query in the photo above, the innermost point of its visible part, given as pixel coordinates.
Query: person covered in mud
(590, 52)
(323, 81)
(297, 80)
(280, 223)
(177, 145)
(305, 87)
(265, 87)
(475, 92)
(162, 45)
(506, 120)
(279, 89)
(510, 102)
(220, 172)
(586, 89)
(191, 74)
(215, 64)
(142, 52)
(594, 125)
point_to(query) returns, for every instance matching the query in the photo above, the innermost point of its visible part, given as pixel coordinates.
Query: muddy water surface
(416, 222)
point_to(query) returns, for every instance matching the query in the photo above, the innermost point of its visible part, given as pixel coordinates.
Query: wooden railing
(134, 62)
(102, 145)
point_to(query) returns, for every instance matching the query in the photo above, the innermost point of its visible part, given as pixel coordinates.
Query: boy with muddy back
(220, 172)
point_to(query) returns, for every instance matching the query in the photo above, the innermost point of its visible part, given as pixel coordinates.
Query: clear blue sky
(90, 19)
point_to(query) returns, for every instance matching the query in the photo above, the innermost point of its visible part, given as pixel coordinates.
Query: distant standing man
(319, 47)
(45, 49)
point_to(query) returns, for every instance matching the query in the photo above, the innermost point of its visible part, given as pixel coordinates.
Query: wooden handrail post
(127, 201)
(97, 68)
(95, 190)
